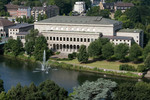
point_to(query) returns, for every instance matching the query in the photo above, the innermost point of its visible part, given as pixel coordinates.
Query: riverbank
(21, 57)
(79, 67)
(95, 69)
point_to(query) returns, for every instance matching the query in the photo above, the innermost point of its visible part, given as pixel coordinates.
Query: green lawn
(101, 64)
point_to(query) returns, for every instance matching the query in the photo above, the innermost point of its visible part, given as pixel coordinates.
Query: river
(14, 71)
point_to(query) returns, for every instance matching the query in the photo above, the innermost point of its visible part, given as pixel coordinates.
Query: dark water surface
(13, 71)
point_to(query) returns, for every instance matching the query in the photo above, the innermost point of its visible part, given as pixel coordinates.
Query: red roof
(11, 6)
(5, 22)
(123, 4)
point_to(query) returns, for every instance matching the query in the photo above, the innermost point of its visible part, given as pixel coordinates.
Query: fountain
(44, 65)
(44, 62)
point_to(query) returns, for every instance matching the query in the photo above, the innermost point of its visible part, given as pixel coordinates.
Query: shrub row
(126, 67)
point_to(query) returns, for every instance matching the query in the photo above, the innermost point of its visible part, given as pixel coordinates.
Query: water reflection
(13, 71)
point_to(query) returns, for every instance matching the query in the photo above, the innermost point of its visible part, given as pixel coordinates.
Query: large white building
(79, 7)
(67, 33)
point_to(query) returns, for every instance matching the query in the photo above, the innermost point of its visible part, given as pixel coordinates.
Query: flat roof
(22, 33)
(130, 30)
(80, 20)
(118, 37)
(22, 25)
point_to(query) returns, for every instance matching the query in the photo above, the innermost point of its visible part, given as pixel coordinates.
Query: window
(88, 40)
(81, 40)
(60, 38)
(70, 39)
(74, 39)
(57, 38)
(47, 38)
(50, 38)
(53, 38)
(77, 39)
(64, 38)
(84, 39)
(67, 39)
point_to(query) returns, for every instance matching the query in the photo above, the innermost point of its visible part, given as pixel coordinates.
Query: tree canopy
(47, 90)
(100, 89)
(121, 51)
(82, 56)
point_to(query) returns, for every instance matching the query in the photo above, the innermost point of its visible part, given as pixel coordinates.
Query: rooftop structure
(79, 7)
(80, 20)
(5, 22)
(22, 25)
(4, 25)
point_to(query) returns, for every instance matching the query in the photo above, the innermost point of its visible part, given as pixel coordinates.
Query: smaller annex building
(67, 33)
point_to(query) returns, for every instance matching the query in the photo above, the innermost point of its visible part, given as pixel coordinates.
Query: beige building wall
(108, 30)
(138, 37)
(68, 42)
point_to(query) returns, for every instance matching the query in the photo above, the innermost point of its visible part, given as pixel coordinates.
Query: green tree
(52, 91)
(95, 48)
(146, 50)
(13, 46)
(121, 51)
(30, 41)
(1, 86)
(44, 16)
(127, 23)
(118, 14)
(108, 50)
(100, 89)
(40, 46)
(82, 55)
(147, 61)
(24, 19)
(135, 52)
(95, 11)
(40, 17)
(4, 96)
(132, 91)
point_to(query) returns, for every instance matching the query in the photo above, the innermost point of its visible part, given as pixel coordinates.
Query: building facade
(12, 9)
(4, 25)
(79, 7)
(20, 30)
(50, 11)
(67, 33)
(18, 11)
(122, 6)
(24, 11)
(113, 7)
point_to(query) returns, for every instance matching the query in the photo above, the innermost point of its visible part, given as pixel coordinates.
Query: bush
(127, 67)
(57, 53)
(112, 58)
(141, 68)
(74, 54)
(70, 56)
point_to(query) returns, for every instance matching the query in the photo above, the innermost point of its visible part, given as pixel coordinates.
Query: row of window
(72, 29)
(70, 39)
(120, 40)
(123, 7)
(13, 30)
